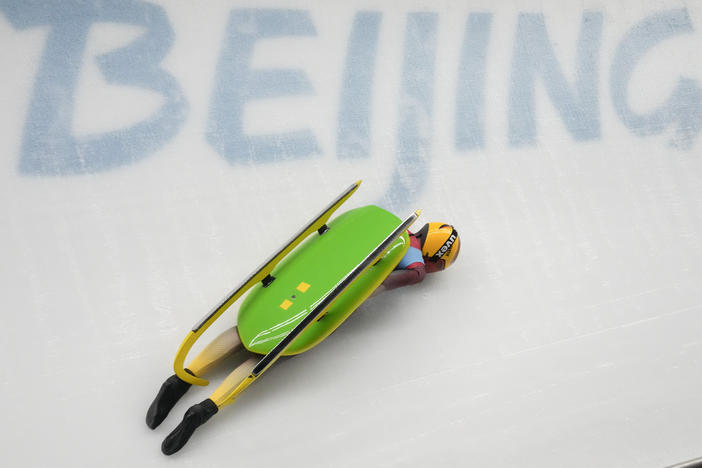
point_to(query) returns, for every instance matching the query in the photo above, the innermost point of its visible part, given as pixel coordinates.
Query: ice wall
(156, 152)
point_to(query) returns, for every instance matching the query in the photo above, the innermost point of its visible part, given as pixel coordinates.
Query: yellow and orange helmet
(440, 243)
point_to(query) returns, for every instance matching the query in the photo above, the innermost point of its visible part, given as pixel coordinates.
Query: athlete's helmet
(439, 242)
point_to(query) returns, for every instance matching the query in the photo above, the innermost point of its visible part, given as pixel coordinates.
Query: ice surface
(155, 153)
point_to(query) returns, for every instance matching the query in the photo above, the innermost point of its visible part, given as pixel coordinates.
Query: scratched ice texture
(155, 153)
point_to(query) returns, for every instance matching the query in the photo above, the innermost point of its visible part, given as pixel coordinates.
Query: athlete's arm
(413, 274)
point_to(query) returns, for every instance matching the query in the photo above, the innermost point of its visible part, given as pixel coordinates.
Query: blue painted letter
(534, 55)
(416, 111)
(48, 146)
(237, 83)
(353, 137)
(470, 92)
(683, 107)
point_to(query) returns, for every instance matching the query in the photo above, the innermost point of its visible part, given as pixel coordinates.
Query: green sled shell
(310, 272)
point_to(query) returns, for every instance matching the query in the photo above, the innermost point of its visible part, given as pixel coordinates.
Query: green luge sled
(310, 272)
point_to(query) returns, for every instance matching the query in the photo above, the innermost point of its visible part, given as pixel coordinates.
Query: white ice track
(568, 333)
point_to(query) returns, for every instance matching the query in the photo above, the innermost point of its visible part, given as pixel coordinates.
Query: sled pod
(303, 278)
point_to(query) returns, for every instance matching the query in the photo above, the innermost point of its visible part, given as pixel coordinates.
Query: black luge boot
(171, 391)
(196, 416)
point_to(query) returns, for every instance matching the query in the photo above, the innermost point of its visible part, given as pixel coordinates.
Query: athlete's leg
(174, 388)
(199, 414)
(221, 347)
(221, 395)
